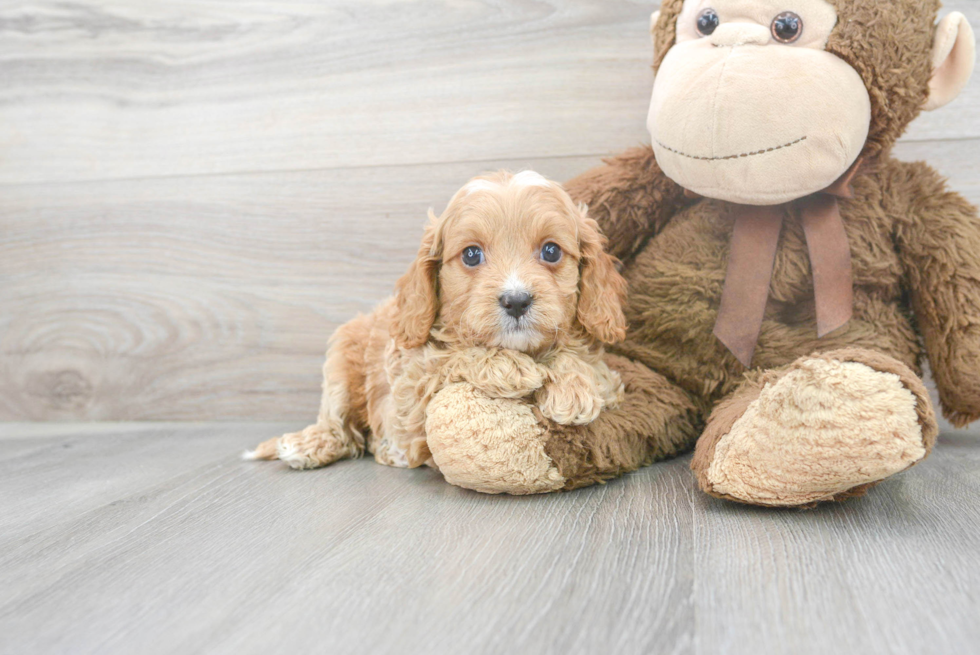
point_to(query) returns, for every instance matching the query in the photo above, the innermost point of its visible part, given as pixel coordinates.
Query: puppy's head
(513, 263)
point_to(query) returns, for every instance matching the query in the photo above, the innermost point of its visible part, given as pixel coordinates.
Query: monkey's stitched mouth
(744, 154)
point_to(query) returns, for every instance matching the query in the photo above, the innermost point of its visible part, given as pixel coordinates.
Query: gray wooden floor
(195, 193)
(156, 538)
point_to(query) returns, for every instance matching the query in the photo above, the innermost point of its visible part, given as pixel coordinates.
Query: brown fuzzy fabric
(915, 249)
(665, 31)
(916, 259)
(631, 197)
(937, 235)
(656, 420)
(887, 42)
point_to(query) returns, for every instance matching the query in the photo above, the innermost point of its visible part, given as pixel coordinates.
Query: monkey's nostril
(516, 304)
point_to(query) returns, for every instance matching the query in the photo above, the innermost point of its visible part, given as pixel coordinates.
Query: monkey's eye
(787, 27)
(551, 252)
(472, 256)
(708, 22)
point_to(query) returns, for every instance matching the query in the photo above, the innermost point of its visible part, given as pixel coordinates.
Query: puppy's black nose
(516, 304)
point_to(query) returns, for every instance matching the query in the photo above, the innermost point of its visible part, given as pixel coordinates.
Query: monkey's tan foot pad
(487, 444)
(823, 429)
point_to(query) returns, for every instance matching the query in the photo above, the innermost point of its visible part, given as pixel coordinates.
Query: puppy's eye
(551, 252)
(472, 256)
(787, 27)
(708, 22)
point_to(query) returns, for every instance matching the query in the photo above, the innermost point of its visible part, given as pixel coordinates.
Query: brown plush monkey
(787, 275)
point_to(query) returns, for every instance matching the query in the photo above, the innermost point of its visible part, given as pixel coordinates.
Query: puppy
(511, 291)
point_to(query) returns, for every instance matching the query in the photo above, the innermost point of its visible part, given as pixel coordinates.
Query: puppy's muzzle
(516, 304)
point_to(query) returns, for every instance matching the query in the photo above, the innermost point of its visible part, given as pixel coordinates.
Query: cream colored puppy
(511, 291)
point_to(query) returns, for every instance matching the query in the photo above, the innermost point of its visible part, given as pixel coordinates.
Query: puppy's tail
(265, 450)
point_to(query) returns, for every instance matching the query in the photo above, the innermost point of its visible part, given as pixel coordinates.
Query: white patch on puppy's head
(530, 178)
(480, 185)
(502, 180)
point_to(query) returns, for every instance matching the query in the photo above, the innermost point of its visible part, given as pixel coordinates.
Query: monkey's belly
(675, 288)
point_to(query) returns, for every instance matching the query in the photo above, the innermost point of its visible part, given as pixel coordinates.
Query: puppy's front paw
(498, 373)
(570, 401)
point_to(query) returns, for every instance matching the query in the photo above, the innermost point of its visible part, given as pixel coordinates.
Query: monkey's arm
(630, 197)
(940, 244)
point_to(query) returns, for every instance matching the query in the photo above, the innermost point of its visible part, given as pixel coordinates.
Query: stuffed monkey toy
(787, 276)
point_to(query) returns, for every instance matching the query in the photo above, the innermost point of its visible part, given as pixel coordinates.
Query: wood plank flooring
(155, 538)
(195, 193)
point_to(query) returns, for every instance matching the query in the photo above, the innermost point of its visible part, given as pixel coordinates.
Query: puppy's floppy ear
(417, 299)
(602, 289)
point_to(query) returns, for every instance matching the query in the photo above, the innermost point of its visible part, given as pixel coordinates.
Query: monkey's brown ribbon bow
(755, 238)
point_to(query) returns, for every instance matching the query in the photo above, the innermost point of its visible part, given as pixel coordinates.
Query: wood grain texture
(156, 539)
(122, 89)
(201, 297)
(125, 88)
(212, 297)
(196, 194)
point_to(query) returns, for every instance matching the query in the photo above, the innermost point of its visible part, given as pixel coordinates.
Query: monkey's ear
(954, 52)
(417, 298)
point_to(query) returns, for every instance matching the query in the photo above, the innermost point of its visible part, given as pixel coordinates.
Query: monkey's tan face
(748, 107)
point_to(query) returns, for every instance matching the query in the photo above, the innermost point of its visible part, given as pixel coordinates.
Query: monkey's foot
(825, 428)
(491, 445)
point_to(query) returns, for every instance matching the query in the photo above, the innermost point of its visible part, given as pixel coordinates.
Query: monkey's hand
(959, 390)
(939, 241)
